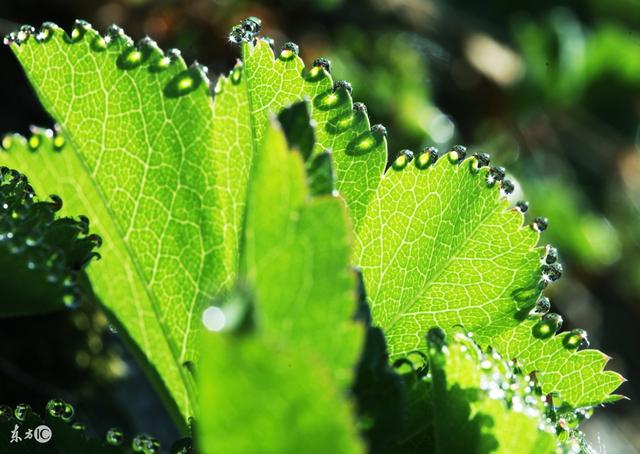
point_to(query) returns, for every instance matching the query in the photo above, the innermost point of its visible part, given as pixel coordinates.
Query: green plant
(247, 214)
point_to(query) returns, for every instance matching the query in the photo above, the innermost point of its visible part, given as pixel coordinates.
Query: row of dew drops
(549, 323)
(147, 49)
(248, 31)
(59, 409)
(189, 80)
(505, 381)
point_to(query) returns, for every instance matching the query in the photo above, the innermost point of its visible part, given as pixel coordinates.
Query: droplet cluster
(145, 53)
(37, 246)
(504, 380)
(246, 31)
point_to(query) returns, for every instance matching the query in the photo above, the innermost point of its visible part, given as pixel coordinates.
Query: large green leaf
(439, 246)
(277, 366)
(138, 156)
(163, 171)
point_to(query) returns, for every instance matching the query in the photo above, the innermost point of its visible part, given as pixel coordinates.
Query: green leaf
(163, 171)
(42, 256)
(481, 404)
(278, 399)
(439, 246)
(262, 84)
(140, 130)
(58, 170)
(297, 253)
(296, 355)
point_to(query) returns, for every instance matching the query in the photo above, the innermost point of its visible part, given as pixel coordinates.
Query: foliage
(203, 203)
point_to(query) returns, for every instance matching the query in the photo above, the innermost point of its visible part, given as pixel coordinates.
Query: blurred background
(550, 89)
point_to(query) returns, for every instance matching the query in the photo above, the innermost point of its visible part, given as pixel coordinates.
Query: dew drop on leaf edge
(114, 436)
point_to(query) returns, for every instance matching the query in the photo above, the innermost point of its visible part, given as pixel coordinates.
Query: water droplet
(21, 411)
(330, 99)
(379, 130)
(10, 39)
(252, 24)
(288, 51)
(483, 159)
(402, 160)
(428, 157)
(79, 30)
(547, 326)
(68, 412)
(46, 32)
(496, 174)
(174, 54)
(456, 154)
(114, 436)
(542, 307)
(58, 142)
(551, 273)
(151, 446)
(24, 33)
(99, 44)
(34, 142)
(183, 446)
(540, 224)
(506, 187)
(577, 338)
(5, 412)
(132, 58)
(161, 63)
(246, 31)
(343, 85)
(359, 107)
(184, 83)
(522, 206)
(115, 33)
(321, 66)
(55, 407)
(214, 318)
(236, 75)
(404, 366)
(366, 141)
(7, 141)
(70, 300)
(138, 443)
(551, 255)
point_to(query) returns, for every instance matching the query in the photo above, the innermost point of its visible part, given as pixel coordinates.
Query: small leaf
(296, 357)
(42, 256)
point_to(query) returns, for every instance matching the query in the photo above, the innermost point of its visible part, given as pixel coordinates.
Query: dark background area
(551, 90)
